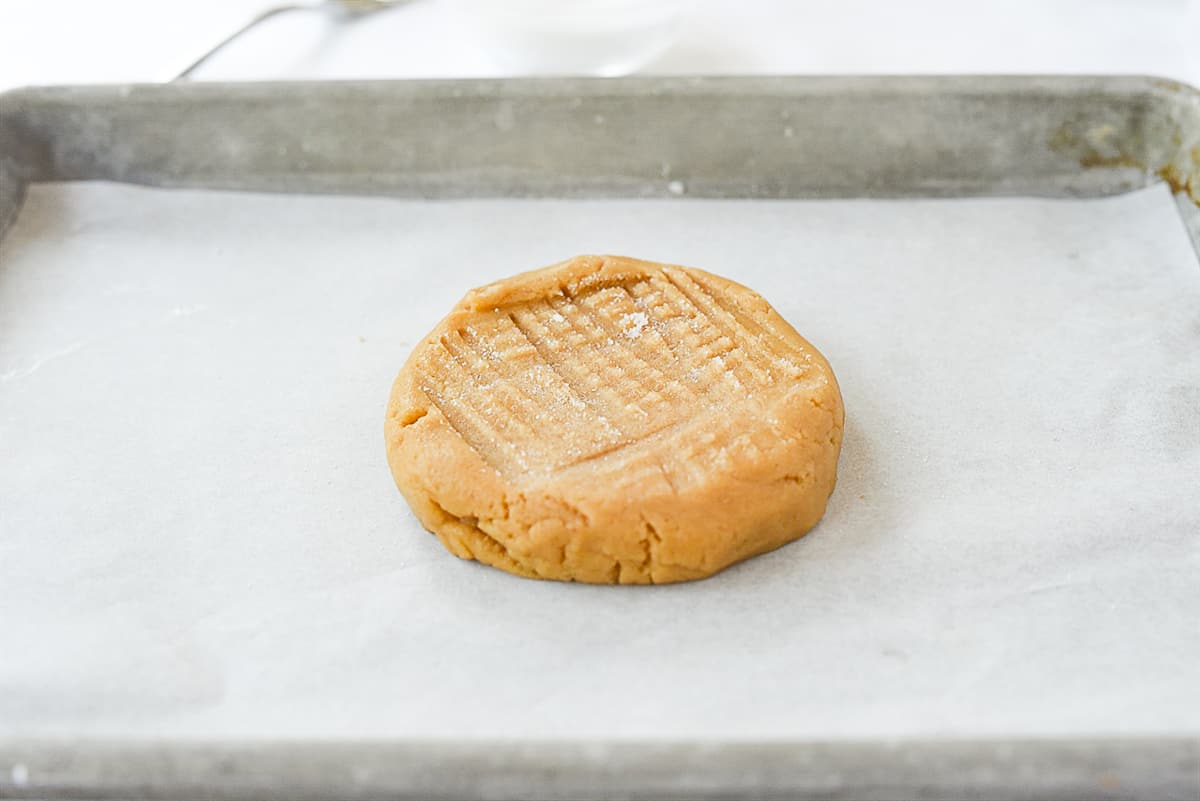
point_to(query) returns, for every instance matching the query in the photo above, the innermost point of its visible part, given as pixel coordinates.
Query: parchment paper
(199, 535)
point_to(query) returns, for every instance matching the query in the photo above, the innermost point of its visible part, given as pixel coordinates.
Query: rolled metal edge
(12, 195)
(1165, 146)
(754, 137)
(16, 162)
(1167, 768)
(1180, 168)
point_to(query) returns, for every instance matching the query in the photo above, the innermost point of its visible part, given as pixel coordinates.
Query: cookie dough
(609, 420)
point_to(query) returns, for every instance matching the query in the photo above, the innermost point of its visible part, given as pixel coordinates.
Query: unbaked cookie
(610, 420)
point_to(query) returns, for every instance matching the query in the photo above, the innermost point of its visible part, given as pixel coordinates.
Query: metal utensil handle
(219, 46)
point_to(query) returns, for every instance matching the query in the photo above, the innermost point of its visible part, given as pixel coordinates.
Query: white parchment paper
(199, 535)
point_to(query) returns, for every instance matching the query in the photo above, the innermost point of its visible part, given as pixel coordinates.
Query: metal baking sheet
(208, 580)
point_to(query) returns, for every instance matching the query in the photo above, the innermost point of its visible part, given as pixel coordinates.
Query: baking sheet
(200, 537)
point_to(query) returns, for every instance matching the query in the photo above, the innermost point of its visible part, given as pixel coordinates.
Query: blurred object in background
(345, 9)
(572, 37)
(84, 41)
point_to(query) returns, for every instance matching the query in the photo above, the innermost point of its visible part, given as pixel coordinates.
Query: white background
(79, 41)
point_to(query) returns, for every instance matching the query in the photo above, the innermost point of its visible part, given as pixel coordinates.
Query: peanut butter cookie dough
(609, 420)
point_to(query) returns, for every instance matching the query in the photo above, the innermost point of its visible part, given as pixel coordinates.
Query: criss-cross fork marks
(575, 378)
